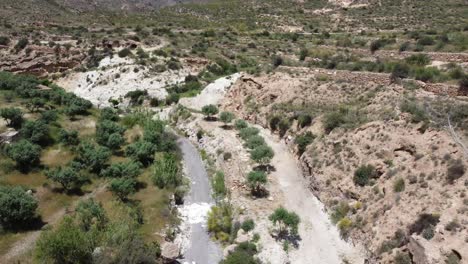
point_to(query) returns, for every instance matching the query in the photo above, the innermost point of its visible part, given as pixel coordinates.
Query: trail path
(200, 248)
(321, 242)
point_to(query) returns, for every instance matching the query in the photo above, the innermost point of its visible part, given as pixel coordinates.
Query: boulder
(170, 250)
(423, 252)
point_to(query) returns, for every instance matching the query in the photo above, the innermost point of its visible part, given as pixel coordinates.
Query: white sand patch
(191, 214)
(212, 94)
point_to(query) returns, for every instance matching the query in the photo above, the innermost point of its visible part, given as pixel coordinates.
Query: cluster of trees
(77, 237)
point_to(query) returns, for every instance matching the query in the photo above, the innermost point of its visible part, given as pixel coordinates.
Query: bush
(418, 114)
(303, 141)
(304, 120)
(91, 214)
(254, 141)
(166, 172)
(25, 154)
(257, 180)
(226, 117)
(363, 175)
(339, 212)
(333, 120)
(286, 221)
(262, 154)
(274, 120)
(399, 71)
(137, 96)
(425, 41)
(345, 226)
(219, 186)
(17, 207)
(398, 240)
(21, 44)
(5, 41)
(246, 133)
(283, 126)
(403, 258)
(243, 254)
(210, 110)
(109, 114)
(220, 221)
(110, 134)
(418, 59)
(455, 170)
(277, 61)
(248, 225)
(399, 185)
(240, 124)
(67, 244)
(124, 53)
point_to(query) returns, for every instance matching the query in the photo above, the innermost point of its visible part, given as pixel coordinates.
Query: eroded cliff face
(415, 198)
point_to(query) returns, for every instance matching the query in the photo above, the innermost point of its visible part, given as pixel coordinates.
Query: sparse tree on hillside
(262, 154)
(13, 116)
(286, 221)
(209, 111)
(123, 187)
(226, 117)
(17, 207)
(257, 181)
(25, 154)
(68, 177)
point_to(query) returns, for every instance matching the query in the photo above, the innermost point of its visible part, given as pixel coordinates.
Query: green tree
(21, 44)
(257, 181)
(286, 221)
(35, 104)
(220, 221)
(240, 124)
(35, 131)
(209, 111)
(166, 171)
(12, 116)
(91, 214)
(25, 154)
(262, 154)
(226, 117)
(109, 134)
(109, 114)
(68, 177)
(17, 207)
(283, 126)
(93, 157)
(303, 141)
(123, 187)
(246, 133)
(142, 151)
(254, 141)
(129, 169)
(67, 244)
(69, 138)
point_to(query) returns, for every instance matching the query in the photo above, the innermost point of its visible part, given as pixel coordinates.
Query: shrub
(339, 212)
(166, 172)
(124, 53)
(109, 114)
(274, 120)
(455, 170)
(418, 114)
(403, 258)
(21, 44)
(304, 120)
(67, 244)
(254, 141)
(345, 225)
(262, 154)
(425, 41)
(376, 45)
(257, 181)
(209, 111)
(399, 71)
(363, 174)
(248, 225)
(220, 221)
(248, 132)
(399, 185)
(418, 59)
(226, 117)
(283, 126)
(286, 221)
(219, 187)
(25, 154)
(137, 96)
(303, 54)
(398, 240)
(277, 61)
(5, 41)
(110, 134)
(240, 124)
(333, 120)
(17, 207)
(303, 141)
(49, 116)
(91, 214)
(243, 254)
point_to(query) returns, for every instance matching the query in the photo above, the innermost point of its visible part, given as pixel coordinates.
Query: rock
(170, 250)
(423, 252)
(242, 237)
(229, 249)
(270, 198)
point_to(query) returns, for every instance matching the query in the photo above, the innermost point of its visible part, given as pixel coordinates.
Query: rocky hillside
(379, 155)
(116, 5)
